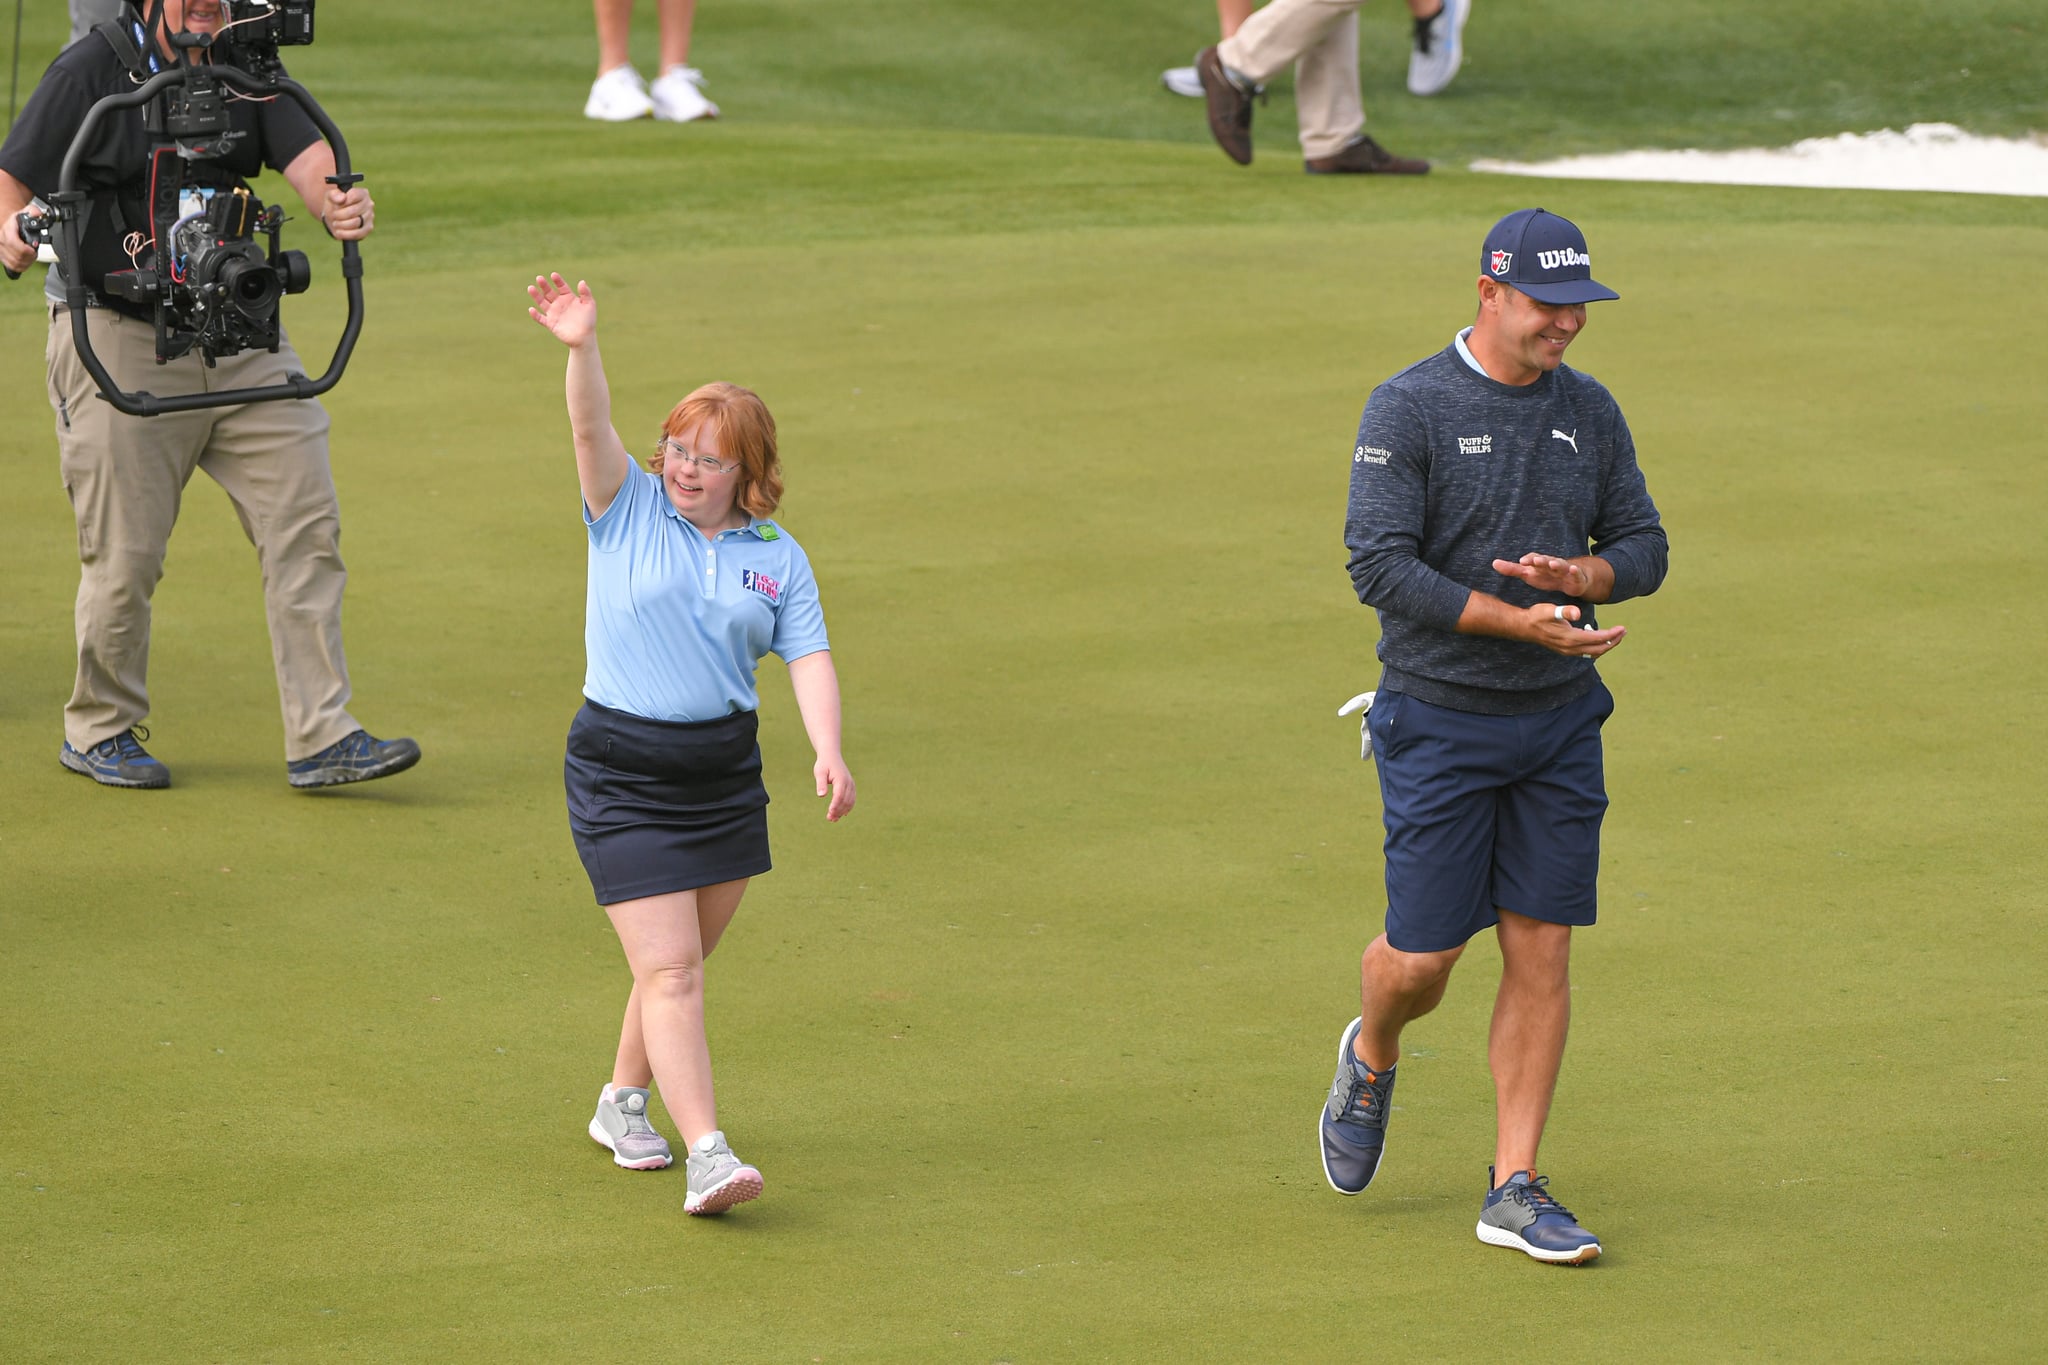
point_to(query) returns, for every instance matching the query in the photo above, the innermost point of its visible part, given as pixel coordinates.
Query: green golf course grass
(1030, 1046)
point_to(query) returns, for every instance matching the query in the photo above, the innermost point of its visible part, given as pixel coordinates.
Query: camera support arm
(68, 203)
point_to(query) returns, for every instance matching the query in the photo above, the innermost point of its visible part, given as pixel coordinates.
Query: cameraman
(125, 475)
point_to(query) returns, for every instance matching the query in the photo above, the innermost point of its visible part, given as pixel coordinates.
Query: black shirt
(116, 166)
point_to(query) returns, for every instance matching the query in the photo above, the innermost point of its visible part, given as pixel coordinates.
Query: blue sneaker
(1521, 1214)
(356, 757)
(1353, 1128)
(118, 762)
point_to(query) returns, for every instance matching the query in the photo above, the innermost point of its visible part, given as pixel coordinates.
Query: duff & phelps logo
(1558, 260)
(1499, 262)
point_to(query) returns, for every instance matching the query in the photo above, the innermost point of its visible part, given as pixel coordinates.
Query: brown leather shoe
(1361, 156)
(1230, 109)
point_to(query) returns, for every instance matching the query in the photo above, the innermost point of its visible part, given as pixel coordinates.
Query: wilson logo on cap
(1557, 260)
(1500, 262)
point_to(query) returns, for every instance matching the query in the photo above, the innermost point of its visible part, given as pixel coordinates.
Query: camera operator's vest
(163, 178)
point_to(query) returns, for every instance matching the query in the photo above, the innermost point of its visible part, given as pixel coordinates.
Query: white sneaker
(1182, 80)
(679, 96)
(618, 96)
(1439, 48)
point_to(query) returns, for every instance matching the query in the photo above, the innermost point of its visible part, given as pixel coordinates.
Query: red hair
(746, 436)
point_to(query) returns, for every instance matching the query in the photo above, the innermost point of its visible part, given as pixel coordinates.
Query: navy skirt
(658, 806)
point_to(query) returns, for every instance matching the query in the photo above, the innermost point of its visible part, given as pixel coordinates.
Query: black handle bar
(69, 199)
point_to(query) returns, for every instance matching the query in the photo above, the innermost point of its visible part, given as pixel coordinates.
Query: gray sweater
(1453, 470)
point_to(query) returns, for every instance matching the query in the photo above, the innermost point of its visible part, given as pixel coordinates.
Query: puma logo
(1571, 440)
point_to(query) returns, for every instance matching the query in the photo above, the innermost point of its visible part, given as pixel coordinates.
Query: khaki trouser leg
(1321, 37)
(271, 459)
(1327, 102)
(125, 477)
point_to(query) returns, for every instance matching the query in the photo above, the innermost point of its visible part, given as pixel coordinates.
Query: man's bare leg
(1395, 988)
(1526, 1046)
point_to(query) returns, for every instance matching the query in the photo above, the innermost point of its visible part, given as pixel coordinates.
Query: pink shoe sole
(646, 1163)
(652, 1163)
(744, 1185)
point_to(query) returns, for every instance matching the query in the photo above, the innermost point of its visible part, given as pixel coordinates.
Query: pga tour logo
(1558, 260)
(1499, 262)
(761, 583)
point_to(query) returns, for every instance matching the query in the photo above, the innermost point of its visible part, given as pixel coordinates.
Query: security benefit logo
(755, 581)
(1371, 455)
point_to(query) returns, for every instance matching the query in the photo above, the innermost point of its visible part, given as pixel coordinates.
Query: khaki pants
(125, 477)
(1321, 38)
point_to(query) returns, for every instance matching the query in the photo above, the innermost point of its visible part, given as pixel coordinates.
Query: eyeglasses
(675, 450)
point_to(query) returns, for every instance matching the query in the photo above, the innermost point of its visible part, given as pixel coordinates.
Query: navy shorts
(1486, 813)
(658, 806)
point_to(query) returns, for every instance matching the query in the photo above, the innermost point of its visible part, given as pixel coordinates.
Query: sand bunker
(1927, 156)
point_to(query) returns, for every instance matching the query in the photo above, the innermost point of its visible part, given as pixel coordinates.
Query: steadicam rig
(200, 270)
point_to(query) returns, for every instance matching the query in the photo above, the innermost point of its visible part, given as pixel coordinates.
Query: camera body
(255, 29)
(211, 284)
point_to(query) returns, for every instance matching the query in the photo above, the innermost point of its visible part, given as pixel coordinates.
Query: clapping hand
(1555, 626)
(1547, 573)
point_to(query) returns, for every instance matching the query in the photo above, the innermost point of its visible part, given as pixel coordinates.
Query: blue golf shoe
(1353, 1126)
(1521, 1214)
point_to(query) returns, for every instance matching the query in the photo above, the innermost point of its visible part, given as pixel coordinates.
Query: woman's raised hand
(571, 314)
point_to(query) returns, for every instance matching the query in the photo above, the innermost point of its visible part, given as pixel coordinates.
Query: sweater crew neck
(1460, 352)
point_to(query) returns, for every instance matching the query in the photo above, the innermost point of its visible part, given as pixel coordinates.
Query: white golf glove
(1361, 703)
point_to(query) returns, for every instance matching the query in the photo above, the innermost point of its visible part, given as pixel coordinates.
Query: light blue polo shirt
(674, 624)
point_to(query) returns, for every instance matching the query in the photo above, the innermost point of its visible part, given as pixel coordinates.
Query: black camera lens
(252, 288)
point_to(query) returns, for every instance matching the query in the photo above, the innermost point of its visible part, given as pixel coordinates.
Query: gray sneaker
(621, 1124)
(718, 1179)
(1439, 48)
(1521, 1214)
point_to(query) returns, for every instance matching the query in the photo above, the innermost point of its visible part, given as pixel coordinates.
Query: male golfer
(1495, 501)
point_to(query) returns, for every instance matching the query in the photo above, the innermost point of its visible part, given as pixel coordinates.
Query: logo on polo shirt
(1476, 445)
(1499, 262)
(1371, 455)
(761, 583)
(1558, 260)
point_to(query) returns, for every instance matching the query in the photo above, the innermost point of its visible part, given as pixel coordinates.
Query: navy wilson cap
(1544, 256)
